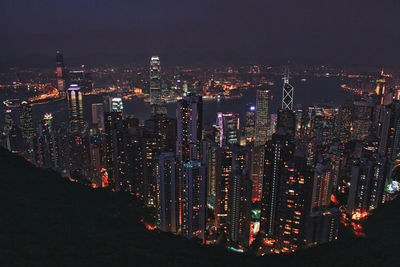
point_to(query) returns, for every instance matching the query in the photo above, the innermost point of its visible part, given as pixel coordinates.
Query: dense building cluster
(275, 183)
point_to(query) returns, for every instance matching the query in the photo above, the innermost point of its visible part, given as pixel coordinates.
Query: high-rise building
(240, 190)
(250, 124)
(60, 72)
(98, 115)
(362, 119)
(286, 195)
(117, 104)
(262, 99)
(157, 104)
(276, 156)
(322, 187)
(287, 121)
(287, 93)
(189, 115)
(166, 195)
(345, 124)
(115, 154)
(75, 109)
(228, 125)
(365, 183)
(194, 187)
(224, 171)
(25, 118)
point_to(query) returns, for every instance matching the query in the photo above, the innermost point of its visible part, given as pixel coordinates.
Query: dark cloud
(103, 31)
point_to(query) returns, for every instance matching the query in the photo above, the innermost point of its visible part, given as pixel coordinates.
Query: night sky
(200, 32)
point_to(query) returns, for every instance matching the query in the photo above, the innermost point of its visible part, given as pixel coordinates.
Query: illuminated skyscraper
(322, 187)
(189, 114)
(98, 115)
(228, 125)
(262, 119)
(166, 196)
(250, 124)
(25, 118)
(157, 105)
(287, 93)
(60, 72)
(75, 109)
(115, 154)
(194, 187)
(117, 104)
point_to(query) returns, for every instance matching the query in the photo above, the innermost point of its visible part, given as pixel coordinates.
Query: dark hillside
(48, 221)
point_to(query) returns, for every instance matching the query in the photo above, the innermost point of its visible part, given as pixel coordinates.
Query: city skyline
(252, 128)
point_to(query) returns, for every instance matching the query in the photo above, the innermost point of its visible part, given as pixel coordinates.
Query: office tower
(96, 159)
(158, 124)
(262, 99)
(60, 72)
(322, 187)
(25, 118)
(166, 195)
(287, 93)
(98, 115)
(209, 158)
(189, 115)
(277, 154)
(225, 162)
(257, 171)
(157, 104)
(194, 187)
(250, 124)
(75, 109)
(287, 121)
(365, 185)
(117, 104)
(240, 190)
(228, 125)
(286, 195)
(389, 135)
(345, 124)
(362, 119)
(115, 154)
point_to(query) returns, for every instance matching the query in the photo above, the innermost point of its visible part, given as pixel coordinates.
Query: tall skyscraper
(166, 195)
(228, 125)
(287, 93)
(60, 72)
(224, 172)
(262, 118)
(25, 118)
(115, 154)
(75, 109)
(189, 115)
(157, 105)
(194, 193)
(98, 115)
(250, 124)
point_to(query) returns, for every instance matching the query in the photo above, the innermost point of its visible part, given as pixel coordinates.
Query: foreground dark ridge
(49, 221)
